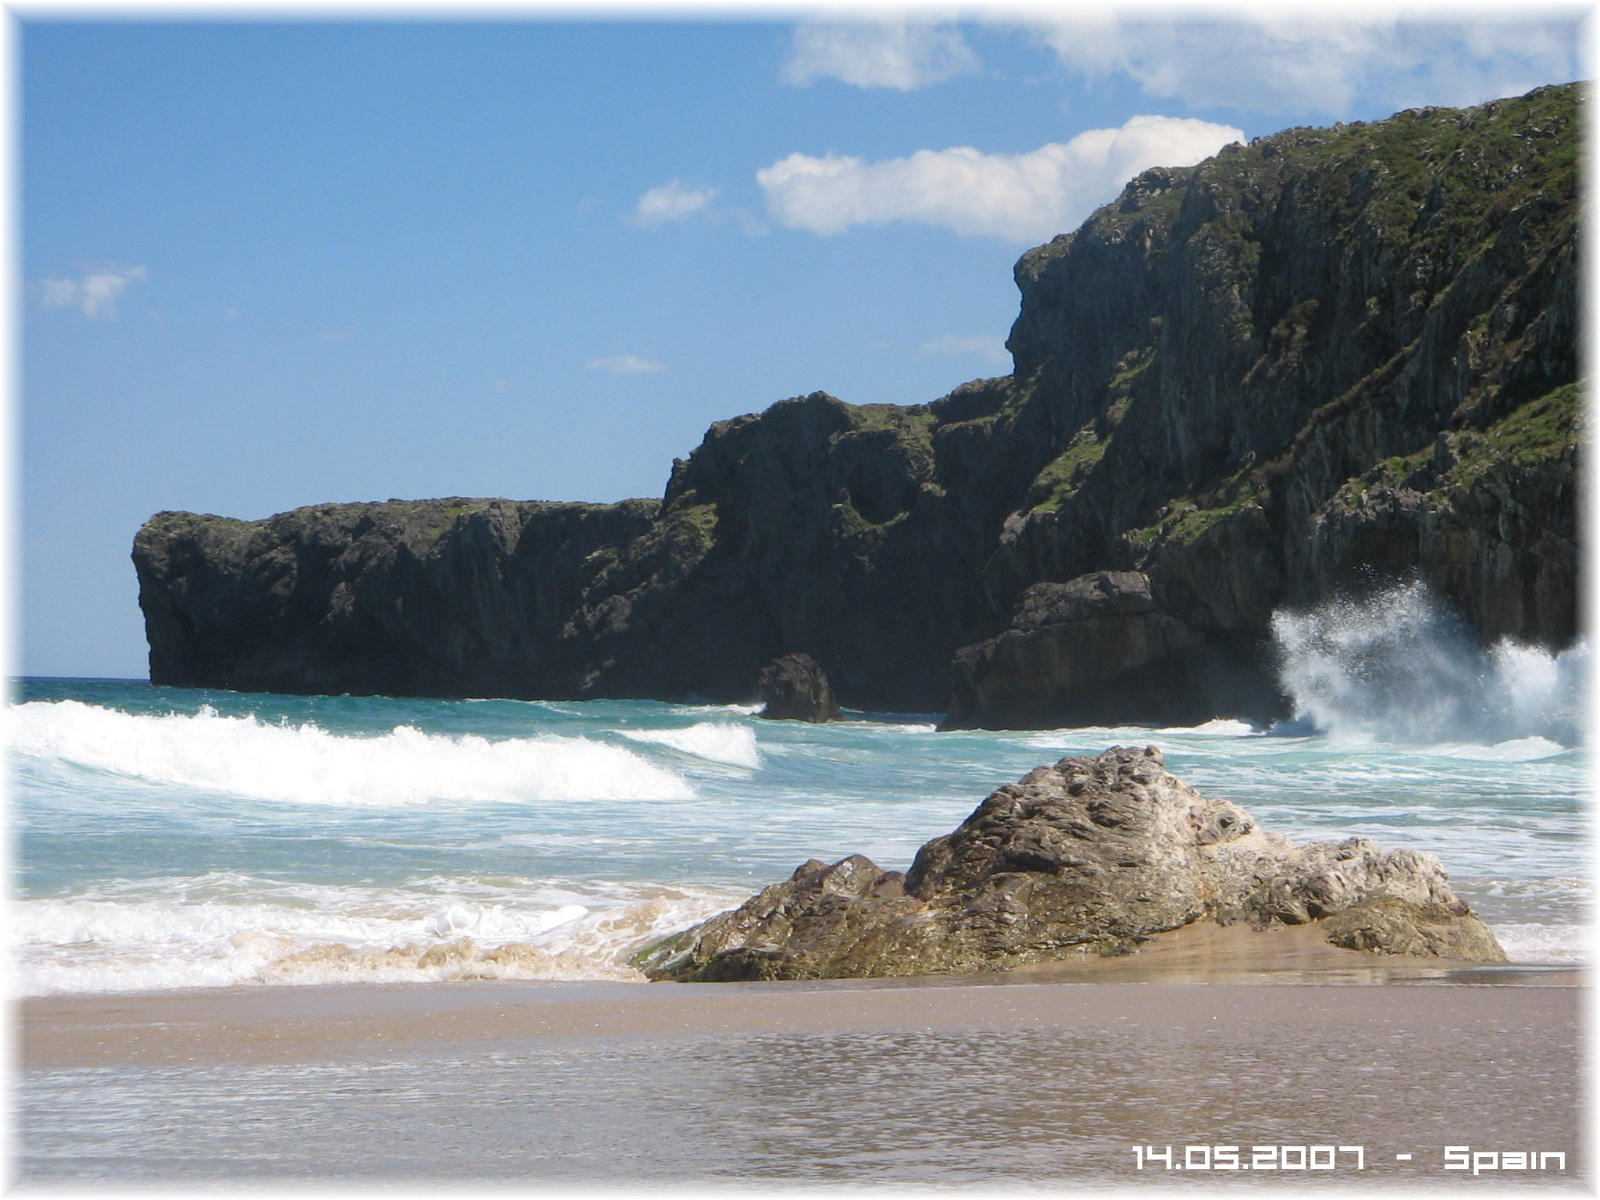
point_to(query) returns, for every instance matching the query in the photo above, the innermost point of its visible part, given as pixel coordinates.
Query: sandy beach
(288, 1024)
(1053, 1076)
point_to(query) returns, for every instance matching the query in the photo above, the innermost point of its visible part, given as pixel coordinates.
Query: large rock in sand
(1092, 854)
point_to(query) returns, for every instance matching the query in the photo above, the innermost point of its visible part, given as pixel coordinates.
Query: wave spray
(1398, 666)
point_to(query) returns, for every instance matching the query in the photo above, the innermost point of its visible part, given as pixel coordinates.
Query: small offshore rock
(795, 688)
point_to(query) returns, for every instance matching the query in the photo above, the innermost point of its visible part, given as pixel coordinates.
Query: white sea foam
(1397, 666)
(304, 764)
(1546, 945)
(1131, 735)
(1527, 749)
(1564, 894)
(1503, 811)
(142, 943)
(221, 931)
(718, 742)
(1222, 727)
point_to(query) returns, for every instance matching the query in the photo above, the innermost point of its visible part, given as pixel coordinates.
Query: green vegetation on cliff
(1537, 433)
(1329, 353)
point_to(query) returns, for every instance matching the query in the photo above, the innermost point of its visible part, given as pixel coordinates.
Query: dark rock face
(823, 527)
(1251, 345)
(1092, 854)
(1306, 365)
(794, 688)
(440, 597)
(1078, 653)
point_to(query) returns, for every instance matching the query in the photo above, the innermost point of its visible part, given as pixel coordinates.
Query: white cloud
(670, 202)
(981, 345)
(888, 55)
(625, 364)
(95, 295)
(1307, 64)
(1024, 197)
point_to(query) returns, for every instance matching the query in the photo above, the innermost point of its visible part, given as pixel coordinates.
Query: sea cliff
(1307, 365)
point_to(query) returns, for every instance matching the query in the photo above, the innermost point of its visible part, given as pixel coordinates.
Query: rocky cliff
(437, 597)
(1327, 358)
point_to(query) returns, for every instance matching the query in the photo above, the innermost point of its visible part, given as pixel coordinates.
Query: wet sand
(259, 1024)
(1046, 1076)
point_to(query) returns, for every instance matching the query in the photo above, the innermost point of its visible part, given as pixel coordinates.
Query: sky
(272, 264)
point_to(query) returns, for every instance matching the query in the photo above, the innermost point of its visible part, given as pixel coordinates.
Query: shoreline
(305, 1023)
(1004, 1082)
(286, 1022)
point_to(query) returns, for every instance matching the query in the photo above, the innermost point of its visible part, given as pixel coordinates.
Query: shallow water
(1037, 1101)
(176, 837)
(184, 839)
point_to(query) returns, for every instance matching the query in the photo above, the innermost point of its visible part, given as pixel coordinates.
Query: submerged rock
(795, 688)
(1091, 854)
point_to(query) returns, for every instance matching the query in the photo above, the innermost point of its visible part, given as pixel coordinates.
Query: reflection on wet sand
(1015, 1080)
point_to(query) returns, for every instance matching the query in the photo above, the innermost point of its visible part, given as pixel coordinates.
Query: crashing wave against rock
(1092, 854)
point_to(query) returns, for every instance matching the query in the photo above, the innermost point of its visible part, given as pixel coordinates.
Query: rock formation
(1097, 650)
(1092, 854)
(438, 597)
(1304, 365)
(794, 688)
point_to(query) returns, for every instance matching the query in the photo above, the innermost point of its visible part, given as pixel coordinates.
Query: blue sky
(269, 265)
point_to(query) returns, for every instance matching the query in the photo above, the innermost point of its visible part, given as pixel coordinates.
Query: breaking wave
(304, 764)
(223, 930)
(1398, 666)
(715, 741)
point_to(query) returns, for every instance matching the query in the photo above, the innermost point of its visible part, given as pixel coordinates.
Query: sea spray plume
(1536, 688)
(1392, 665)
(1398, 666)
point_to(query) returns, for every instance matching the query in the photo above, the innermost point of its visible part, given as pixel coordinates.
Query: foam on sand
(304, 764)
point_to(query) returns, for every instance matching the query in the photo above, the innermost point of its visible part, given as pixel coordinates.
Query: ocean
(172, 838)
(288, 939)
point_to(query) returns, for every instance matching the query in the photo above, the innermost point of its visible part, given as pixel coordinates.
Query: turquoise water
(175, 837)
